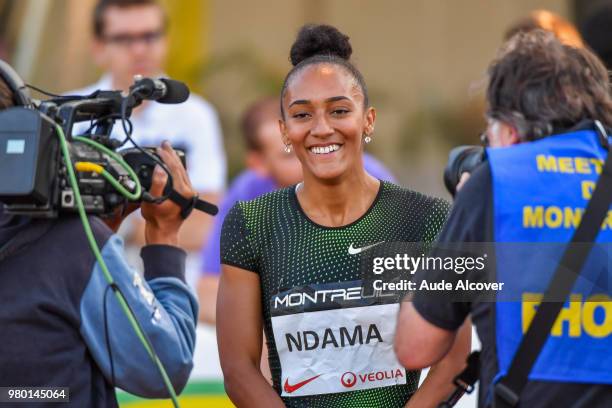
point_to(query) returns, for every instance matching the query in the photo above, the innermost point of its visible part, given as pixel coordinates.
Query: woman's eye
(339, 112)
(300, 115)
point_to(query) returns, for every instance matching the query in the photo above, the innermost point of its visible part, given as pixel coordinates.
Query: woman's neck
(338, 203)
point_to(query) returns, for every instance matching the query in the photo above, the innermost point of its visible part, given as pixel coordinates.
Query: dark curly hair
(322, 44)
(541, 86)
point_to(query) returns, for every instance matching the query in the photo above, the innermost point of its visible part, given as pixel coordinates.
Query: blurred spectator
(268, 167)
(565, 31)
(597, 32)
(130, 39)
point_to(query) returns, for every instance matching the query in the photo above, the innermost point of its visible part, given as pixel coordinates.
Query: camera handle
(188, 205)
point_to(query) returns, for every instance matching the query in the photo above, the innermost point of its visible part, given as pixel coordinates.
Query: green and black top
(329, 343)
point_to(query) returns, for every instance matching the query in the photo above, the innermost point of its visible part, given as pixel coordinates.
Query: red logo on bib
(348, 379)
(292, 388)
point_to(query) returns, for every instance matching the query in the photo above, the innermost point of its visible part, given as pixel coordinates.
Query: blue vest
(540, 190)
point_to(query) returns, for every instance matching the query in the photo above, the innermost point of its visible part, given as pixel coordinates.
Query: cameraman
(543, 98)
(62, 325)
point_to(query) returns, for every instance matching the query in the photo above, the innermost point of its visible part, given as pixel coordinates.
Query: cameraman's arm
(164, 306)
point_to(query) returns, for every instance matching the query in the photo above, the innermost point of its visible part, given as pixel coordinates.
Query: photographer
(543, 98)
(61, 324)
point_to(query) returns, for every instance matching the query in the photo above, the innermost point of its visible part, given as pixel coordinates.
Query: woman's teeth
(325, 149)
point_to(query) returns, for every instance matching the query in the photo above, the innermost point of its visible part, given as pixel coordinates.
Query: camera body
(33, 175)
(461, 159)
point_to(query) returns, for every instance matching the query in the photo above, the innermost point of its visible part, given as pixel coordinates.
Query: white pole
(30, 36)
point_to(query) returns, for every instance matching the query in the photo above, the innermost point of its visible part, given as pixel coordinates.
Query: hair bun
(320, 39)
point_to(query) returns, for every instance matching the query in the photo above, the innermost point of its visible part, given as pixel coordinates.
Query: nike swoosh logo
(354, 251)
(292, 388)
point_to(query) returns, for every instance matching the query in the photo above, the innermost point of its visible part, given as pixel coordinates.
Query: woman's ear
(283, 130)
(370, 119)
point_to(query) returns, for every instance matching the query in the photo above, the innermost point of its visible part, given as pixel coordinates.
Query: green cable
(130, 196)
(94, 247)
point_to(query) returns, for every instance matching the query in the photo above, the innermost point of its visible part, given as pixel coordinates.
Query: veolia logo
(348, 379)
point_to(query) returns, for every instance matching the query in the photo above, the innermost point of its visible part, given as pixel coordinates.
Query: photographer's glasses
(490, 117)
(128, 40)
(484, 140)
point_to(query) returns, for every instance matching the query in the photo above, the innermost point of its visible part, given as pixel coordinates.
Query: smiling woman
(291, 264)
(325, 108)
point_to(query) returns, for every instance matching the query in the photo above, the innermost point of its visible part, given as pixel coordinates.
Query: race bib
(331, 339)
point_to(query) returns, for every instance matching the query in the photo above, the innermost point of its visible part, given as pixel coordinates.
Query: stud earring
(288, 148)
(367, 139)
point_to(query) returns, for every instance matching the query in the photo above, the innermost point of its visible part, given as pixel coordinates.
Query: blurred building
(424, 60)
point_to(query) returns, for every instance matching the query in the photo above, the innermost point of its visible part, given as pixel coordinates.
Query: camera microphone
(162, 90)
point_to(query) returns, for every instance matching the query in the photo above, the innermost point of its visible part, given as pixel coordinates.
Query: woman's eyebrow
(299, 102)
(337, 98)
(306, 101)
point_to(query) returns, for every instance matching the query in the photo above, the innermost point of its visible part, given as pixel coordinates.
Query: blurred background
(424, 62)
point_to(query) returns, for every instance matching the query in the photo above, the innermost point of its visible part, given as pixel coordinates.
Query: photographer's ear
(511, 136)
(502, 134)
(98, 52)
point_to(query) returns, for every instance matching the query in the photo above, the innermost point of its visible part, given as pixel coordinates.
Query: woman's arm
(439, 382)
(265, 364)
(239, 336)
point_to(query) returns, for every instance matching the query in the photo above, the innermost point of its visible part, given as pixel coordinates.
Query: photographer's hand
(465, 176)
(164, 220)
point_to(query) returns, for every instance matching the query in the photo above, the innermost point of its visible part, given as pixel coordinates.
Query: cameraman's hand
(114, 221)
(164, 220)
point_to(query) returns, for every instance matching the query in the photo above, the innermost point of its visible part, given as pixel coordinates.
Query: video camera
(37, 145)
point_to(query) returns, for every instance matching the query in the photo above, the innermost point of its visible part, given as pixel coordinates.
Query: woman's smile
(325, 150)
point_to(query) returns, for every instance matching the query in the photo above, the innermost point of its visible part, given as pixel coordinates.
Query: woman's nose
(321, 127)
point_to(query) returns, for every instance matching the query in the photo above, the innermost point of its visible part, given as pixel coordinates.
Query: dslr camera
(462, 159)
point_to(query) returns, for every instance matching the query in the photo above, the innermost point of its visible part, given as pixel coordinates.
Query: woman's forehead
(322, 82)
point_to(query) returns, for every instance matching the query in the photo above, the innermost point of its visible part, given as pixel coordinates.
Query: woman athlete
(291, 259)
